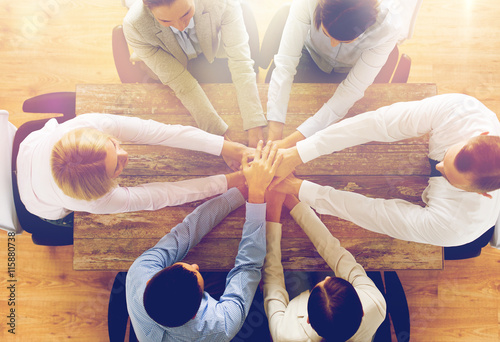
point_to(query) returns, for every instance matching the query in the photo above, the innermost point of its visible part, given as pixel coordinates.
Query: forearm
(275, 295)
(176, 244)
(397, 218)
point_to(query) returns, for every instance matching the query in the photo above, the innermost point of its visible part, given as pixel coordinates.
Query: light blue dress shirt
(188, 40)
(215, 320)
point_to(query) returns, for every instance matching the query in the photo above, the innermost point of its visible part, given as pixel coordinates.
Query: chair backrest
(272, 37)
(43, 232)
(127, 71)
(117, 311)
(8, 215)
(403, 70)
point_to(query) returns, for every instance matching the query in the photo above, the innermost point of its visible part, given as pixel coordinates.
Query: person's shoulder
(137, 13)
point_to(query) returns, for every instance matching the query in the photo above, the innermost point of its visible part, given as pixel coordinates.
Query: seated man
(345, 307)
(174, 36)
(462, 200)
(165, 296)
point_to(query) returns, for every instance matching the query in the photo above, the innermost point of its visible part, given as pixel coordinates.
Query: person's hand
(235, 180)
(232, 152)
(260, 172)
(291, 159)
(275, 130)
(254, 135)
(289, 185)
(290, 202)
(274, 203)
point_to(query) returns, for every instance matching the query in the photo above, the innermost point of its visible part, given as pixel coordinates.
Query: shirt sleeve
(350, 90)
(174, 246)
(173, 73)
(399, 121)
(294, 35)
(153, 196)
(276, 297)
(243, 279)
(235, 39)
(452, 217)
(341, 262)
(138, 131)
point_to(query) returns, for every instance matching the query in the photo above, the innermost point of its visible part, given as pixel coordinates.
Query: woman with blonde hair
(73, 166)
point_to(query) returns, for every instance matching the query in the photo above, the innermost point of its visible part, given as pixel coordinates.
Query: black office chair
(397, 307)
(42, 232)
(117, 311)
(130, 72)
(469, 250)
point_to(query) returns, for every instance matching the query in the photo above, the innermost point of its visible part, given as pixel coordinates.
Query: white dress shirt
(288, 320)
(42, 197)
(451, 216)
(366, 55)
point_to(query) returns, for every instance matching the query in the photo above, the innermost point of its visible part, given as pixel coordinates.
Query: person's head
(175, 13)
(473, 165)
(344, 20)
(173, 296)
(334, 309)
(85, 163)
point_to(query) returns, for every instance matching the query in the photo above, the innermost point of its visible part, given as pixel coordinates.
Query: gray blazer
(221, 32)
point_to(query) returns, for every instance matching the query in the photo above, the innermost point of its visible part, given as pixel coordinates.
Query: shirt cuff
(256, 120)
(256, 212)
(274, 229)
(307, 150)
(323, 118)
(298, 209)
(308, 192)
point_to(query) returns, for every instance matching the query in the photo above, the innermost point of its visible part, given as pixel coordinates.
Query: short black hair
(335, 310)
(173, 296)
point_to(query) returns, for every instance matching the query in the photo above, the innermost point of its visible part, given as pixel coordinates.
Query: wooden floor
(52, 45)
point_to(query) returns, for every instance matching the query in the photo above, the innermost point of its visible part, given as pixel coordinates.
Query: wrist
(275, 130)
(293, 139)
(256, 196)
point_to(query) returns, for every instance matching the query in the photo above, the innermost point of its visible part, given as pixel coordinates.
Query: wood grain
(112, 242)
(455, 45)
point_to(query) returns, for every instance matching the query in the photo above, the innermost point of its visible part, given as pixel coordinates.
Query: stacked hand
(260, 171)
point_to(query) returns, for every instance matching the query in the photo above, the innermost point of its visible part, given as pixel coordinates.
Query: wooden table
(395, 170)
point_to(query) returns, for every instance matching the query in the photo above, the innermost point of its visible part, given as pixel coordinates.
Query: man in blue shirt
(166, 298)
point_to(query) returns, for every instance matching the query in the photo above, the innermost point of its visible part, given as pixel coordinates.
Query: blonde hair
(78, 164)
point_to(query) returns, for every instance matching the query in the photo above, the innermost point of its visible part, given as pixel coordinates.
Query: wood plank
(147, 99)
(155, 224)
(377, 159)
(297, 254)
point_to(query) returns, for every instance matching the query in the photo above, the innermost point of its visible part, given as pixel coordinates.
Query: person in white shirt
(462, 202)
(345, 307)
(85, 186)
(354, 36)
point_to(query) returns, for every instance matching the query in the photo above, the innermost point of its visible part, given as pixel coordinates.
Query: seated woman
(73, 166)
(322, 41)
(181, 41)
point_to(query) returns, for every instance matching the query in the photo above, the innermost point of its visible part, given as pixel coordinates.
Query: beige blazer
(221, 32)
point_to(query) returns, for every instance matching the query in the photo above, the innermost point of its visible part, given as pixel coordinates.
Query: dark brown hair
(481, 158)
(335, 310)
(155, 3)
(345, 20)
